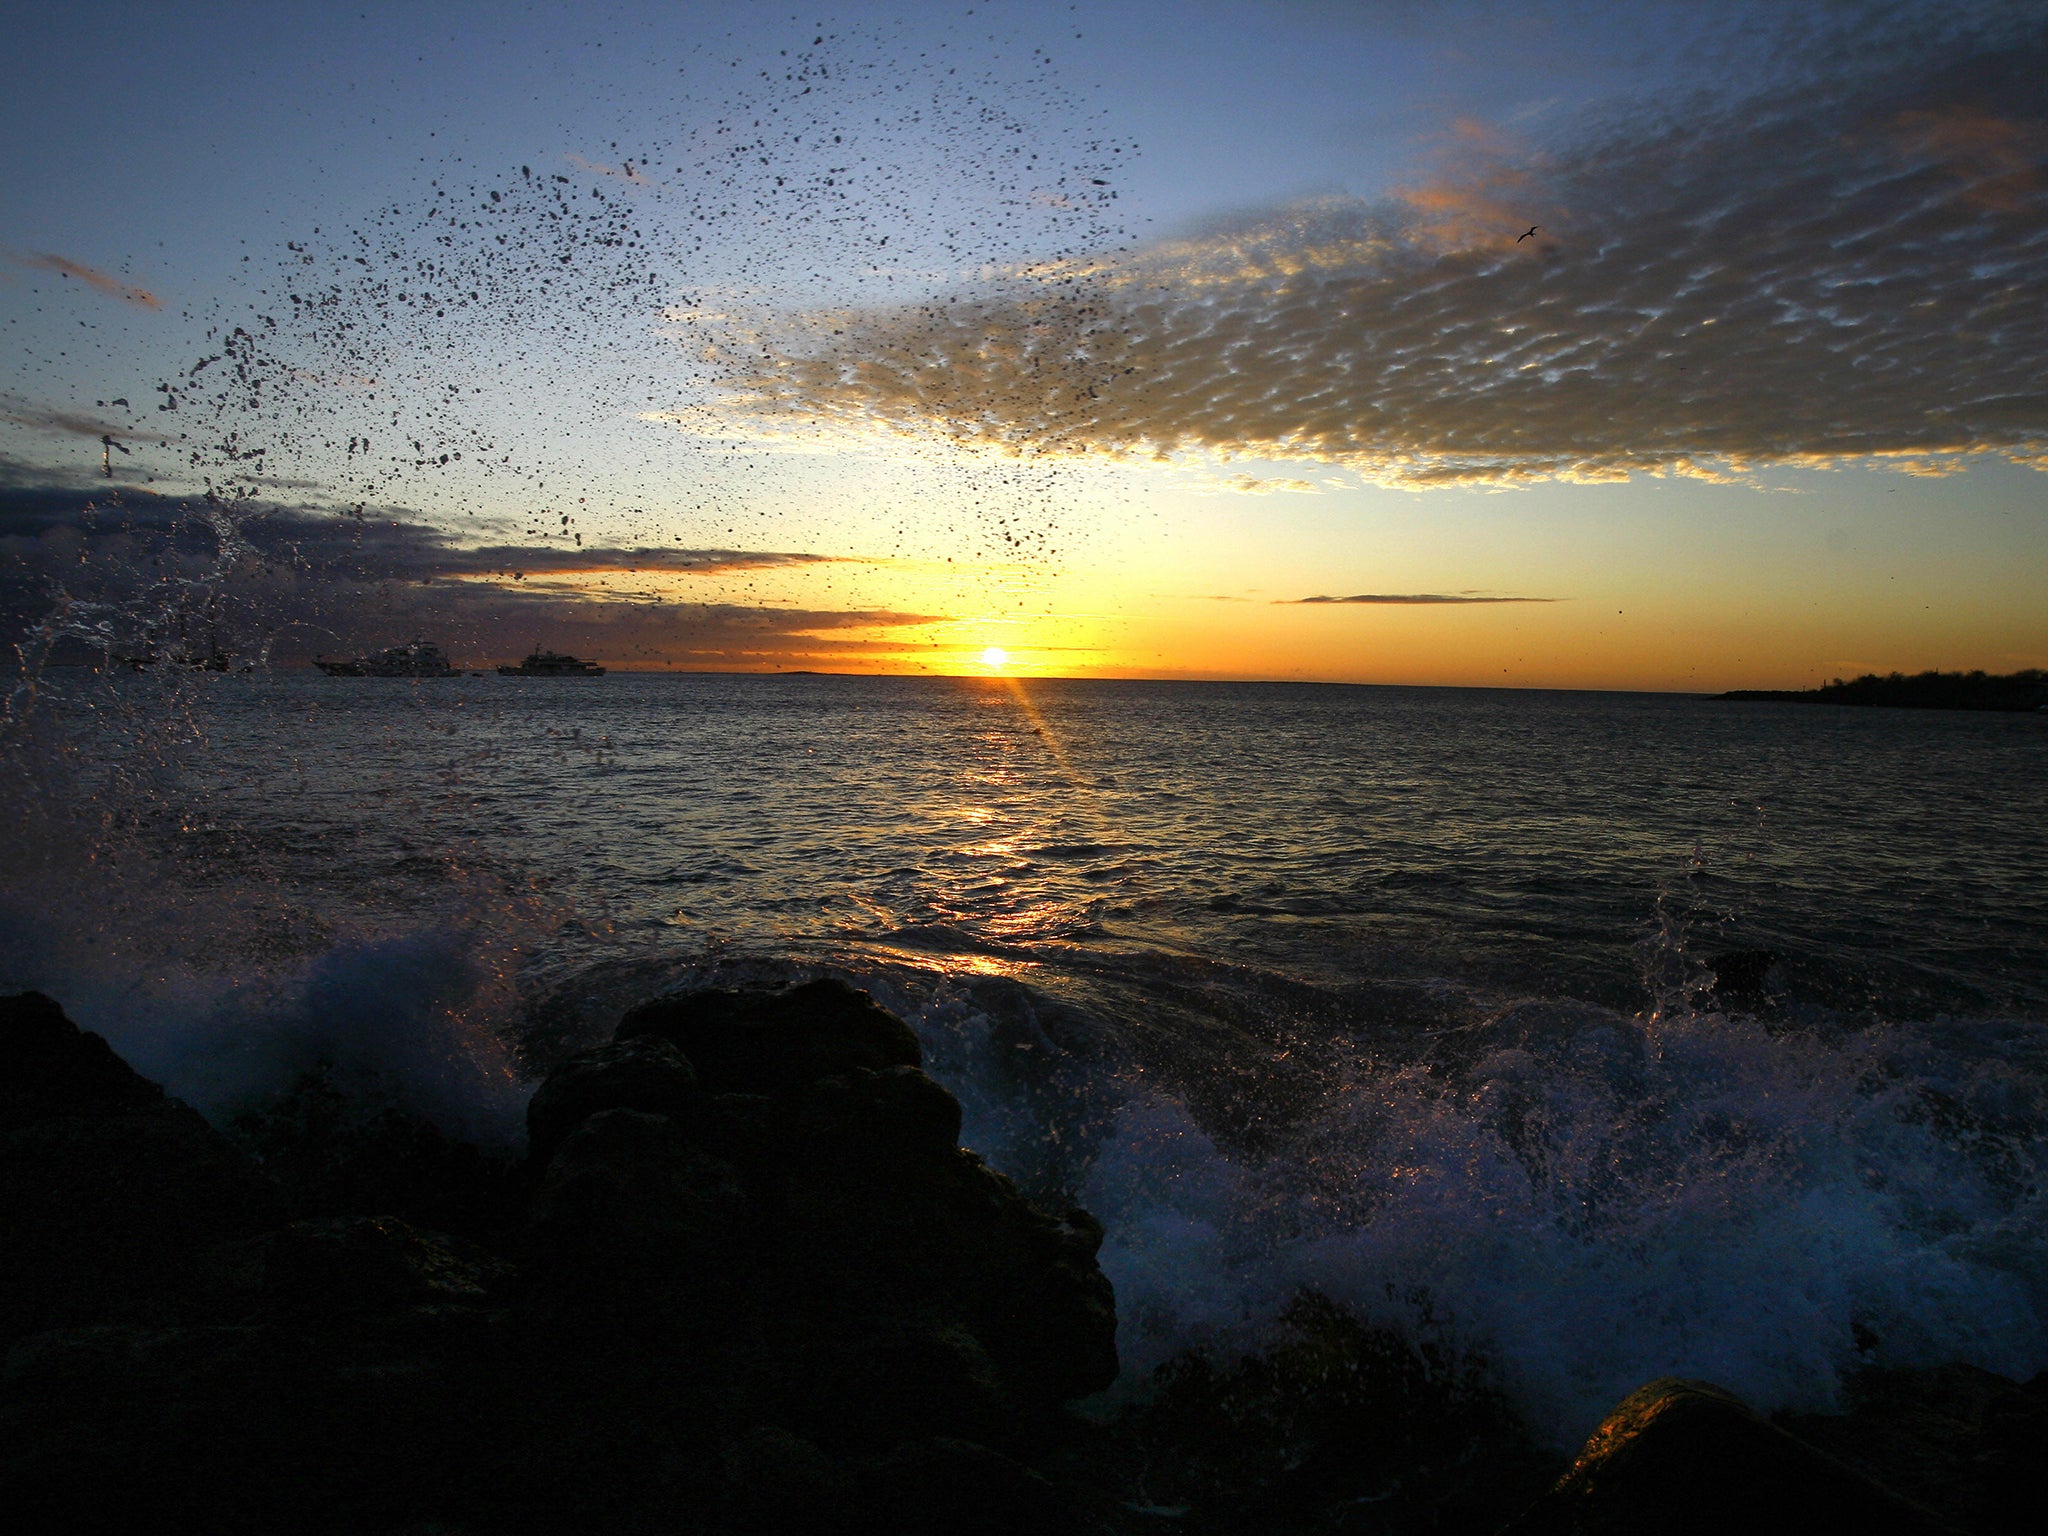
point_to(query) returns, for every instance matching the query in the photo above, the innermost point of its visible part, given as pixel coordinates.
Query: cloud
(1414, 599)
(92, 277)
(123, 569)
(398, 549)
(46, 418)
(1839, 269)
(388, 547)
(1486, 181)
(1997, 159)
(628, 172)
(1252, 485)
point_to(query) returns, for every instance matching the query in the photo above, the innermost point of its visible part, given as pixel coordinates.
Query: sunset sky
(1188, 340)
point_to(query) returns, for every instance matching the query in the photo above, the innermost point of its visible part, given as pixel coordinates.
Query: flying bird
(1525, 234)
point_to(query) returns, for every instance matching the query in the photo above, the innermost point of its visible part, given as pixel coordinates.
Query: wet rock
(248, 1428)
(963, 1489)
(1683, 1457)
(98, 1424)
(818, 1174)
(867, 1113)
(646, 1073)
(1961, 1441)
(797, 1264)
(944, 1240)
(337, 1153)
(111, 1194)
(377, 1263)
(631, 1210)
(1034, 1292)
(776, 1042)
(51, 1069)
(876, 1389)
(1336, 1424)
(872, 1119)
(776, 1482)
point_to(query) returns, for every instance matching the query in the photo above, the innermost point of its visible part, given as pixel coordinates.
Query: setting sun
(994, 656)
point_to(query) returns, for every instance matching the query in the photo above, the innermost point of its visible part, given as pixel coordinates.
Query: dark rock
(945, 1238)
(1963, 1442)
(820, 1182)
(111, 1207)
(100, 1424)
(776, 1042)
(337, 1153)
(749, 1129)
(51, 1069)
(962, 1489)
(630, 1210)
(877, 1389)
(377, 1263)
(1337, 1424)
(792, 1241)
(872, 1122)
(248, 1428)
(1029, 1283)
(867, 1113)
(776, 1482)
(646, 1073)
(1681, 1457)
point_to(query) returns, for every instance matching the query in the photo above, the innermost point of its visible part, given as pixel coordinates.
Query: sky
(1542, 345)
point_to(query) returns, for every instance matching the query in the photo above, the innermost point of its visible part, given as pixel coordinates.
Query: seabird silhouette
(1525, 235)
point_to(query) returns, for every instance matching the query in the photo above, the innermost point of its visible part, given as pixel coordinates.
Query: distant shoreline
(2013, 692)
(2017, 692)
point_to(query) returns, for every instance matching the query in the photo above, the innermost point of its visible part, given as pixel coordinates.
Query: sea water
(1601, 1036)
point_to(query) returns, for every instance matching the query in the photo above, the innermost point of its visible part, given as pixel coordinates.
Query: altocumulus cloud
(1845, 268)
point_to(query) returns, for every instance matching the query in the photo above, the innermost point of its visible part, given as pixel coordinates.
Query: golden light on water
(994, 656)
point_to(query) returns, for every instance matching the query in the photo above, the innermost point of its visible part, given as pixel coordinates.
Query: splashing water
(1205, 961)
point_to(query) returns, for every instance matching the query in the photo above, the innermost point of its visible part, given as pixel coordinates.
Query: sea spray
(364, 936)
(1582, 1200)
(1580, 1196)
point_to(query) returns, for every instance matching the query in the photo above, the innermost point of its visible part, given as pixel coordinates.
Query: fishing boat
(552, 664)
(183, 651)
(417, 658)
(196, 661)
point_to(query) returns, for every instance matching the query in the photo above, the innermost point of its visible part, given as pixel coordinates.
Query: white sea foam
(1591, 1201)
(405, 1020)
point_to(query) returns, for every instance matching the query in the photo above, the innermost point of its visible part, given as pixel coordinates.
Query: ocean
(1599, 1036)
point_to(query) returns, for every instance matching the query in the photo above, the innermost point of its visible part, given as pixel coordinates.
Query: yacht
(552, 664)
(214, 660)
(418, 658)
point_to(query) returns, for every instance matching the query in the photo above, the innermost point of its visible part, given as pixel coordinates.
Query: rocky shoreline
(745, 1280)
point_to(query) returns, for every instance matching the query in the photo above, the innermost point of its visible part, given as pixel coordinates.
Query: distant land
(1924, 690)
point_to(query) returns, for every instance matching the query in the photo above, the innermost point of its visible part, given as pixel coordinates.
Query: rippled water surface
(1528, 842)
(1618, 1034)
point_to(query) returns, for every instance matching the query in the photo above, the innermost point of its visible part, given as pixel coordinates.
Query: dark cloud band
(125, 572)
(1415, 599)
